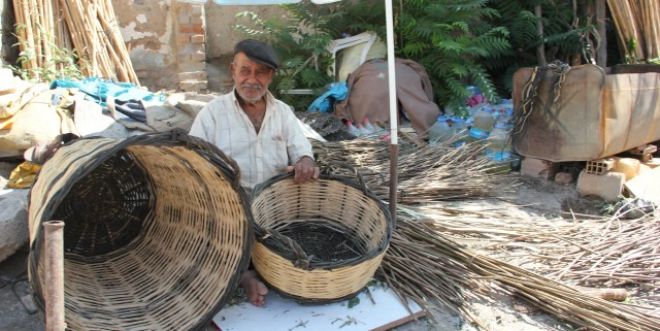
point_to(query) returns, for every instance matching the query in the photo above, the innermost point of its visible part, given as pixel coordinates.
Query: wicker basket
(321, 241)
(157, 231)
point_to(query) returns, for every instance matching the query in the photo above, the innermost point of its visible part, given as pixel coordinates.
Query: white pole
(394, 147)
(389, 21)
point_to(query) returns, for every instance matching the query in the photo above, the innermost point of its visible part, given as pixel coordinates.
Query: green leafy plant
(453, 40)
(61, 64)
(450, 38)
(569, 33)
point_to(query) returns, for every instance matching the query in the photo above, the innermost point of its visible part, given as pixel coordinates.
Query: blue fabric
(99, 90)
(324, 103)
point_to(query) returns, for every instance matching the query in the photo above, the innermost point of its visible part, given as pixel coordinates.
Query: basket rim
(260, 232)
(175, 137)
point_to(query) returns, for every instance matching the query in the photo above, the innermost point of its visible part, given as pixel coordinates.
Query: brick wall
(191, 46)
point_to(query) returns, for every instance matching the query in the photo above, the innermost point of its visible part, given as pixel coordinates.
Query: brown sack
(38, 122)
(584, 114)
(368, 95)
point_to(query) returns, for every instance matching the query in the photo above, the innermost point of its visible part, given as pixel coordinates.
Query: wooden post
(601, 17)
(540, 49)
(54, 254)
(394, 180)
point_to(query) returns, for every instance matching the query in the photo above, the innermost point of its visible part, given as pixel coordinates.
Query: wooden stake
(54, 255)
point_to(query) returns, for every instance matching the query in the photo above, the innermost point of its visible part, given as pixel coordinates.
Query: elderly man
(258, 131)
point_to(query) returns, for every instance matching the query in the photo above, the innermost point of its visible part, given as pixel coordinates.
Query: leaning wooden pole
(54, 254)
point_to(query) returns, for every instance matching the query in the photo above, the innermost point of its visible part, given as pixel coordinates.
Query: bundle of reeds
(613, 253)
(638, 27)
(427, 174)
(90, 27)
(424, 264)
(428, 261)
(35, 29)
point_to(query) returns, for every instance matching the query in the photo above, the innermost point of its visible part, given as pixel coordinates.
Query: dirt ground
(534, 198)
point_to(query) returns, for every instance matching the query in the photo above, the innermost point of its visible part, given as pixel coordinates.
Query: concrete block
(13, 221)
(193, 75)
(197, 39)
(607, 186)
(538, 168)
(600, 167)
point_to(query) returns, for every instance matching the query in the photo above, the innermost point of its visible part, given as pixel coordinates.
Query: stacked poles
(638, 27)
(35, 25)
(88, 26)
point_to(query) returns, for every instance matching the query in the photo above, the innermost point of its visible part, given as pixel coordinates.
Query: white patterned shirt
(280, 141)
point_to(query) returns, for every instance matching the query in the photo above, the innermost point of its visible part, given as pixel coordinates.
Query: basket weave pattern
(172, 233)
(341, 204)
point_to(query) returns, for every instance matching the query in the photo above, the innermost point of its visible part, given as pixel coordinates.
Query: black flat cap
(257, 51)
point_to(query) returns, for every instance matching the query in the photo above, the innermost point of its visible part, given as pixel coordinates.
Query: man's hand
(305, 170)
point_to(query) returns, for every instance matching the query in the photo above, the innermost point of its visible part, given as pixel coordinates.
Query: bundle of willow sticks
(427, 174)
(90, 27)
(638, 27)
(427, 262)
(424, 264)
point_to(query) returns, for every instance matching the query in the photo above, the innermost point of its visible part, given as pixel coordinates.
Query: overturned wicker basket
(321, 241)
(157, 231)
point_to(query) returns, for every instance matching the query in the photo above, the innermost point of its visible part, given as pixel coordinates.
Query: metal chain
(530, 90)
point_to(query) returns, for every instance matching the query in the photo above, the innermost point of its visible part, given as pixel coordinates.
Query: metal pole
(394, 147)
(54, 253)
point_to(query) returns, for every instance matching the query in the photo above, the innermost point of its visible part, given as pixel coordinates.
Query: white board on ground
(283, 314)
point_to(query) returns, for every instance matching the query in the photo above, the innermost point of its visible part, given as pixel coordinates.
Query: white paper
(283, 314)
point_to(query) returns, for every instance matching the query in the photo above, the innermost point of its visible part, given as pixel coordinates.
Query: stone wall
(170, 42)
(220, 20)
(148, 30)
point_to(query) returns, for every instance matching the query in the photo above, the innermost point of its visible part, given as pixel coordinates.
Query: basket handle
(300, 258)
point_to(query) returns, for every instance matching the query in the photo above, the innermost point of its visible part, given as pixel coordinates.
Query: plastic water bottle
(473, 90)
(458, 123)
(368, 126)
(477, 134)
(353, 130)
(441, 130)
(499, 146)
(459, 127)
(484, 119)
(362, 130)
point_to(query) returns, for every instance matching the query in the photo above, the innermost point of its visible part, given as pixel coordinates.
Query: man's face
(251, 79)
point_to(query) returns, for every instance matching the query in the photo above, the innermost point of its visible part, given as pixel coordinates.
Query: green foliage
(62, 63)
(452, 40)
(567, 34)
